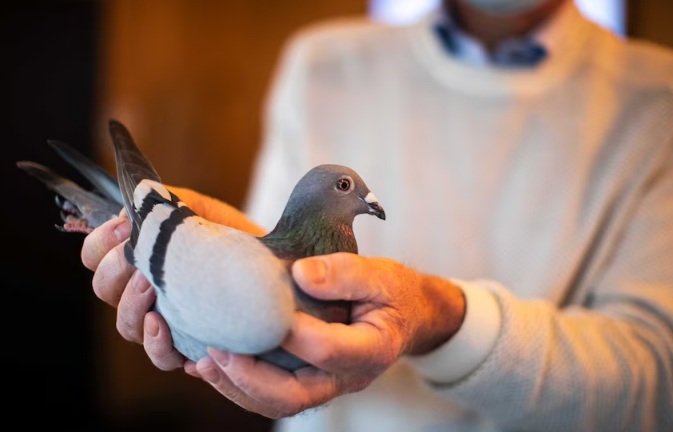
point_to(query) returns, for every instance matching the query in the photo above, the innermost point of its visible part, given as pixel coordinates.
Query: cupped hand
(396, 311)
(119, 284)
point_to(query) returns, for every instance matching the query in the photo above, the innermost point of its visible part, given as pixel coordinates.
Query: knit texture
(551, 188)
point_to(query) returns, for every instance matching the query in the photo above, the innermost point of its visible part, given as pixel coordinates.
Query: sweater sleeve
(473, 342)
(604, 365)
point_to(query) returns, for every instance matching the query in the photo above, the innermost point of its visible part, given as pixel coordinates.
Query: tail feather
(90, 206)
(100, 179)
(53, 181)
(132, 168)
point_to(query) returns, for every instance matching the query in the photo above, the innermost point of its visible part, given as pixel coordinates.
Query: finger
(190, 369)
(368, 346)
(135, 302)
(213, 374)
(158, 343)
(269, 390)
(101, 240)
(112, 276)
(339, 276)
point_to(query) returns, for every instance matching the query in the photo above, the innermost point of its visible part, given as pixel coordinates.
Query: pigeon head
(334, 192)
(318, 217)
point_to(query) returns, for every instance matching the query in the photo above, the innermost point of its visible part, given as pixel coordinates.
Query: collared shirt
(517, 52)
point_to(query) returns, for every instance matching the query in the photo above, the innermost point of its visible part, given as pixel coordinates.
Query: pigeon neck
(298, 237)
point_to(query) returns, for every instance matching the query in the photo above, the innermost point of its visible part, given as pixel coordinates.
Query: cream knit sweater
(547, 193)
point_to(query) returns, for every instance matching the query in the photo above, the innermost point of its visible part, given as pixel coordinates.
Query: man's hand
(117, 283)
(120, 285)
(396, 311)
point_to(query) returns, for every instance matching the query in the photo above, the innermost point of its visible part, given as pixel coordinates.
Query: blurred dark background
(189, 79)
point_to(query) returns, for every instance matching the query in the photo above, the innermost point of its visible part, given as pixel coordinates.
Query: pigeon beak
(374, 206)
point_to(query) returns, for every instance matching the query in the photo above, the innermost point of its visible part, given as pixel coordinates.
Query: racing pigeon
(216, 286)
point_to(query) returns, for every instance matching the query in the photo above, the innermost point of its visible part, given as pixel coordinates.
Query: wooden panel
(651, 20)
(189, 77)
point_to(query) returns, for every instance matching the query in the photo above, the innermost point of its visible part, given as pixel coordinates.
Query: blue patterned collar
(521, 52)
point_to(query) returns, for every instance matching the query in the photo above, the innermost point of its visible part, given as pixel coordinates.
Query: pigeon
(216, 286)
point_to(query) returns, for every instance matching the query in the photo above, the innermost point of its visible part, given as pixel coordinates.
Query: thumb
(339, 276)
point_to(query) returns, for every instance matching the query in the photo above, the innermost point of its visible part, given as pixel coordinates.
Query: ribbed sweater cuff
(470, 346)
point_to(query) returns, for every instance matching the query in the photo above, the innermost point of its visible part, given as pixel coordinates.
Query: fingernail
(220, 357)
(123, 230)
(152, 328)
(139, 282)
(313, 269)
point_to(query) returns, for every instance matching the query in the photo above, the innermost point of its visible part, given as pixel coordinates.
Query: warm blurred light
(609, 13)
(400, 11)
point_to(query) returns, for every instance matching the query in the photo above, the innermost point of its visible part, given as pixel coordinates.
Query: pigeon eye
(343, 184)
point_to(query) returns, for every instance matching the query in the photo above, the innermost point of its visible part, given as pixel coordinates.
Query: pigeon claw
(74, 224)
(73, 220)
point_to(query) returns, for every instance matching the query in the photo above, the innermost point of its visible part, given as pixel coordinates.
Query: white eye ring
(344, 184)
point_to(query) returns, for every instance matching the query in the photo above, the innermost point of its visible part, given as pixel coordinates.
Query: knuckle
(276, 415)
(242, 382)
(163, 359)
(162, 364)
(288, 412)
(104, 289)
(236, 395)
(111, 276)
(101, 288)
(358, 385)
(128, 328)
(120, 260)
(289, 406)
(97, 244)
(90, 254)
(352, 383)
(325, 354)
(97, 288)
(391, 337)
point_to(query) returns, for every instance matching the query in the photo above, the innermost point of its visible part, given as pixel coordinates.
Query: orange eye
(343, 184)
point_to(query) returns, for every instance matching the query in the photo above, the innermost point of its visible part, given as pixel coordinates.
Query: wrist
(443, 315)
(474, 341)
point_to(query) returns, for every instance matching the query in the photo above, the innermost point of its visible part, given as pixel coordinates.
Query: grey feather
(82, 209)
(218, 286)
(101, 180)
